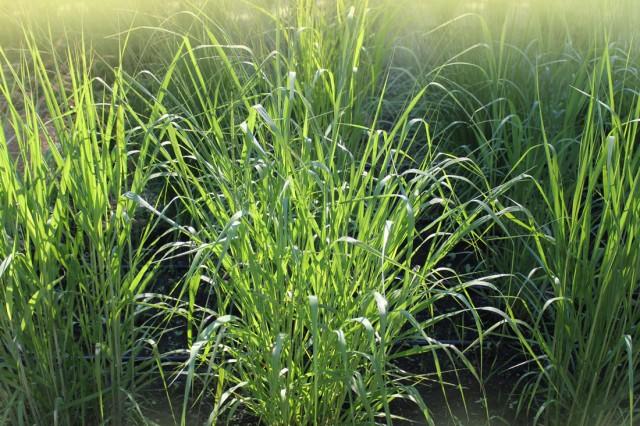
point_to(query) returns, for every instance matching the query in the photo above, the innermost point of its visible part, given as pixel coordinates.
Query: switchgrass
(321, 168)
(309, 254)
(574, 131)
(588, 323)
(578, 281)
(70, 269)
(304, 222)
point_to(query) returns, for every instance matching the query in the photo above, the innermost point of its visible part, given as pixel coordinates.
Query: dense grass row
(267, 212)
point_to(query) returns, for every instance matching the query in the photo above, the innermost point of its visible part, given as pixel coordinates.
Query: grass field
(322, 212)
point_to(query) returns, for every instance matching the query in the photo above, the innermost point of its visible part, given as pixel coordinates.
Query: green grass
(342, 189)
(70, 270)
(591, 269)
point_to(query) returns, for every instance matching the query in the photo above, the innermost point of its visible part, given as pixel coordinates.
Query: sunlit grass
(318, 169)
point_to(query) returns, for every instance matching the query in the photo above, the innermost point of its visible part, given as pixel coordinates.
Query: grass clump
(70, 270)
(310, 253)
(587, 325)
